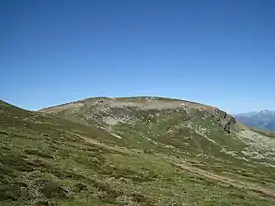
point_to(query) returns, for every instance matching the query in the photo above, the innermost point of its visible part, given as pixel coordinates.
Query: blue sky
(215, 52)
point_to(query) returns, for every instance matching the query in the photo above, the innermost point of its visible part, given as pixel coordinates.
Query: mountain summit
(264, 119)
(133, 151)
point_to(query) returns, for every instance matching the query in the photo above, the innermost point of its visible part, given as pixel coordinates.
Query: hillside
(263, 120)
(133, 151)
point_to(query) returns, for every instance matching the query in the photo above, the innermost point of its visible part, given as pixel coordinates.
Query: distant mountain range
(264, 119)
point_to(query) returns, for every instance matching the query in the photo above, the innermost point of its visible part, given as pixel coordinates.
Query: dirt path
(235, 183)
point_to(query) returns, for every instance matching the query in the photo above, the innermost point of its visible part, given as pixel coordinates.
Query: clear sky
(215, 52)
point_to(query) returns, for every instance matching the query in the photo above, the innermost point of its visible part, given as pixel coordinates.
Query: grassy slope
(46, 160)
(264, 132)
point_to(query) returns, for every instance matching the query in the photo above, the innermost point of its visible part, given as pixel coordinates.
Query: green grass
(44, 161)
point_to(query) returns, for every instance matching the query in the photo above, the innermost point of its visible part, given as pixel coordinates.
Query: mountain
(150, 151)
(263, 120)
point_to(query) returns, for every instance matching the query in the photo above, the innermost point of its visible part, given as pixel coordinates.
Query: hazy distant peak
(264, 119)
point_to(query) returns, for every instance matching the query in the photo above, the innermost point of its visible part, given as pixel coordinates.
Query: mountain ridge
(123, 99)
(264, 119)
